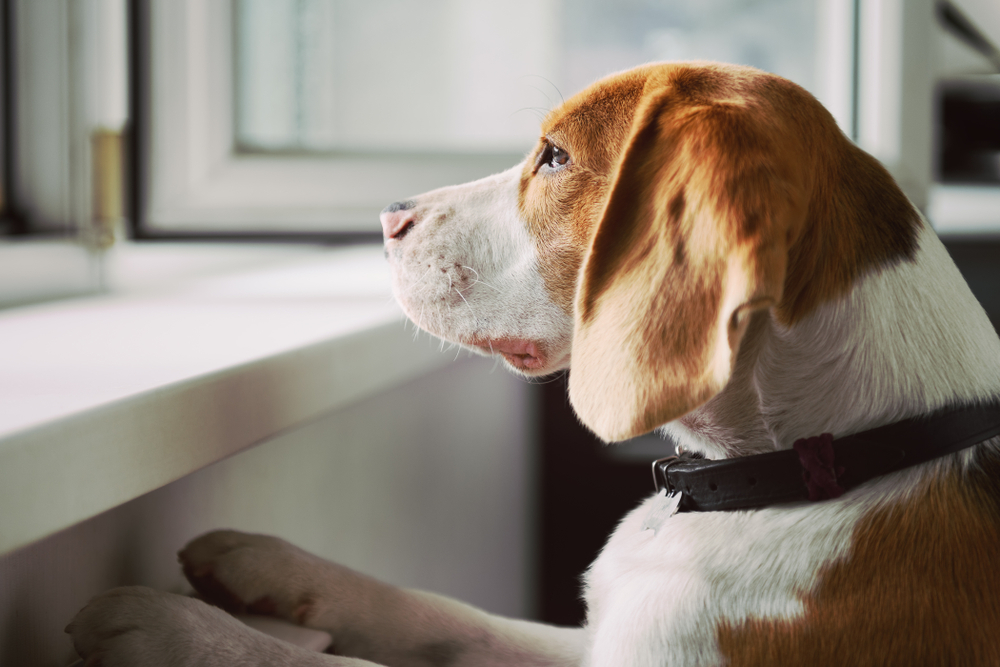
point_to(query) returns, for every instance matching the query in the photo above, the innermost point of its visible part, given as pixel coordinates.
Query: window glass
(474, 75)
(778, 36)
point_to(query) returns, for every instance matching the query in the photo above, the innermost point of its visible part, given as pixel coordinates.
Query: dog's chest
(659, 597)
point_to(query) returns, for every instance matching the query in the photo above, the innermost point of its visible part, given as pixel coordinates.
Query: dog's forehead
(602, 105)
(615, 97)
(595, 122)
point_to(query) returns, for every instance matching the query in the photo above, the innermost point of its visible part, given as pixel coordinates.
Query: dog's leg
(140, 627)
(367, 618)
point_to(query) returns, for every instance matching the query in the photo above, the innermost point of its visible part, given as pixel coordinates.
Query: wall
(427, 485)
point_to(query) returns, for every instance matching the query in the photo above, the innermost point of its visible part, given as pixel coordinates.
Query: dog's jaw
(467, 271)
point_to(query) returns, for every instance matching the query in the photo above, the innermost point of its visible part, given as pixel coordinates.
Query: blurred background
(146, 141)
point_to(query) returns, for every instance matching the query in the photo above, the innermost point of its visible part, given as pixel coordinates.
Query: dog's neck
(908, 339)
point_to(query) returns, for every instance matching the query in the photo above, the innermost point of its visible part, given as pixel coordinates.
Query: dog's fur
(708, 253)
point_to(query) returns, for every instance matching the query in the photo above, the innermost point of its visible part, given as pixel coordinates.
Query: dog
(710, 256)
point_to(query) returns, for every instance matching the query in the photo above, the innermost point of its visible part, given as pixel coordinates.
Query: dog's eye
(552, 157)
(558, 158)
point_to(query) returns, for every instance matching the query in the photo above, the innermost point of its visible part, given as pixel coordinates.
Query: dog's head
(661, 208)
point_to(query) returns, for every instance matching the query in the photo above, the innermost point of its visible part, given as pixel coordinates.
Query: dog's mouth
(524, 355)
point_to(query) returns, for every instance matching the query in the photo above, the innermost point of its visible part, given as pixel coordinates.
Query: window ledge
(964, 209)
(105, 398)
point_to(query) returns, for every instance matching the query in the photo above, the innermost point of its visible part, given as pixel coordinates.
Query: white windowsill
(959, 210)
(107, 397)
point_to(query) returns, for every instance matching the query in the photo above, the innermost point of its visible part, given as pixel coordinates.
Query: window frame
(192, 180)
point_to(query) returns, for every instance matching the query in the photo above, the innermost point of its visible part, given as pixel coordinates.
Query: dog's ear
(692, 240)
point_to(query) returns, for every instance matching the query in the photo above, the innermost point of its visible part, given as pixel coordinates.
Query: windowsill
(964, 210)
(105, 398)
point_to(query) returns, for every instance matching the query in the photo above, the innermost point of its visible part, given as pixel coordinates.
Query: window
(201, 179)
(309, 116)
(303, 118)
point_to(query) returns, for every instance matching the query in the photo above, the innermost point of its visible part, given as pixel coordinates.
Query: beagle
(710, 256)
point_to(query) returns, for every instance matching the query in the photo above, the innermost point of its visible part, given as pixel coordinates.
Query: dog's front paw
(242, 572)
(140, 627)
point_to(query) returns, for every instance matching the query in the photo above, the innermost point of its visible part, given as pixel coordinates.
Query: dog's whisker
(426, 273)
(549, 379)
(483, 282)
(474, 318)
(480, 280)
(538, 114)
(548, 81)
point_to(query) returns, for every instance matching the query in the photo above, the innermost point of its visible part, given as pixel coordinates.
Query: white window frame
(50, 179)
(196, 180)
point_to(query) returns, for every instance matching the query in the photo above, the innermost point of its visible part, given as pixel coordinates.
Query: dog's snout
(397, 219)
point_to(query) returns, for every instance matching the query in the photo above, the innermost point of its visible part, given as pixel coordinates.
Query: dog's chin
(523, 356)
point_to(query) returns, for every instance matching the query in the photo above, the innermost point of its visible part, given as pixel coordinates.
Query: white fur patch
(906, 340)
(468, 271)
(657, 599)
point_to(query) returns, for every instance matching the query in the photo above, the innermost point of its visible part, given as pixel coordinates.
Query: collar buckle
(660, 468)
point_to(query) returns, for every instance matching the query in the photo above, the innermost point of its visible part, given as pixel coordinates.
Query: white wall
(428, 485)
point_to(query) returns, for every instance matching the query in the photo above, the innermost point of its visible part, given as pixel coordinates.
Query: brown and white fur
(707, 253)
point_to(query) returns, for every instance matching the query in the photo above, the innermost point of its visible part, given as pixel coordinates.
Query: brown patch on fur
(562, 208)
(676, 206)
(650, 329)
(685, 181)
(921, 588)
(859, 221)
(732, 135)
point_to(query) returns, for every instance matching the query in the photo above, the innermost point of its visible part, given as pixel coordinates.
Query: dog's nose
(397, 219)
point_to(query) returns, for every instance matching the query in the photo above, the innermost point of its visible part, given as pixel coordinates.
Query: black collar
(821, 467)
